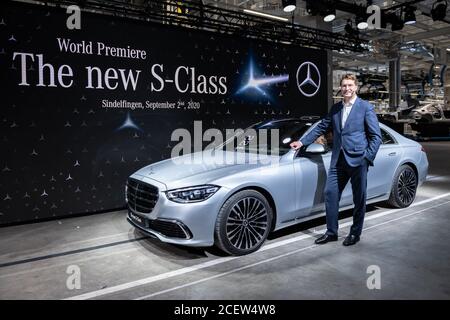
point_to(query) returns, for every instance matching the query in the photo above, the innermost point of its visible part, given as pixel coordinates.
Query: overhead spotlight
(361, 22)
(348, 27)
(312, 8)
(288, 5)
(329, 14)
(410, 16)
(396, 22)
(350, 31)
(439, 10)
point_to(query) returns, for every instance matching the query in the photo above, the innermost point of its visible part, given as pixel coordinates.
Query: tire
(404, 186)
(243, 223)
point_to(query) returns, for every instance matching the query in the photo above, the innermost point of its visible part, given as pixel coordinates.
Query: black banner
(223, 309)
(84, 108)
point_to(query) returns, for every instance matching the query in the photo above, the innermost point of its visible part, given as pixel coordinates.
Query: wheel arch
(409, 163)
(394, 199)
(266, 194)
(412, 165)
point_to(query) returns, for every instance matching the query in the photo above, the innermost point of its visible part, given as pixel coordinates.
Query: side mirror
(315, 148)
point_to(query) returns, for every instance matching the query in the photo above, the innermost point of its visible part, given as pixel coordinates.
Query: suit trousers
(337, 179)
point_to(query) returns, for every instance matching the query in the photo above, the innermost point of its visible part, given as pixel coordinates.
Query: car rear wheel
(404, 187)
(243, 223)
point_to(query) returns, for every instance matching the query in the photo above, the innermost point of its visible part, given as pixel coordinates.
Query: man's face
(348, 88)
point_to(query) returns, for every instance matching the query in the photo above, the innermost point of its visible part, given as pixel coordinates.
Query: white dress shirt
(346, 110)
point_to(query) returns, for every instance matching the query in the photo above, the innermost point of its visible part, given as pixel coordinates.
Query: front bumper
(192, 223)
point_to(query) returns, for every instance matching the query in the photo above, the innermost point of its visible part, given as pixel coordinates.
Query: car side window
(386, 138)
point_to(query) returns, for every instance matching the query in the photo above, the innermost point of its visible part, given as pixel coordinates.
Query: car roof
(313, 121)
(287, 120)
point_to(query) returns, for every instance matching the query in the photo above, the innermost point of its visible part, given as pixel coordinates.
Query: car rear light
(422, 149)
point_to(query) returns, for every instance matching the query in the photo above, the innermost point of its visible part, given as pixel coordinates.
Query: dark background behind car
(64, 154)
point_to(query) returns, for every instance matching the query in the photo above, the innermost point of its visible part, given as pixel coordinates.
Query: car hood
(202, 167)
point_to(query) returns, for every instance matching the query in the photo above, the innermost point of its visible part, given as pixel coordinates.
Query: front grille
(169, 229)
(141, 196)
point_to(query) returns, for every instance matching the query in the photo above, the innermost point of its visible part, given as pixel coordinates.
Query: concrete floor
(411, 248)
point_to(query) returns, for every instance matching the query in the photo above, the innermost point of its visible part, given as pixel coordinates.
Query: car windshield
(258, 138)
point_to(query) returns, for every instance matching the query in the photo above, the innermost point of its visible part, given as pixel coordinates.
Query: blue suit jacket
(359, 139)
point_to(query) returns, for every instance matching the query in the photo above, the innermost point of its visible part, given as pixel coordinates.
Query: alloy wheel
(406, 186)
(247, 223)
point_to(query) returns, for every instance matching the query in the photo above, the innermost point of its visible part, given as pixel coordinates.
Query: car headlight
(192, 194)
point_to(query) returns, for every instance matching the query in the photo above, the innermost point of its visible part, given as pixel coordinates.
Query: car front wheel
(243, 223)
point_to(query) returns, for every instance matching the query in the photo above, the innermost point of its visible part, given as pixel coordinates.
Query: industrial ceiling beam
(354, 8)
(428, 34)
(355, 57)
(196, 15)
(423, 9)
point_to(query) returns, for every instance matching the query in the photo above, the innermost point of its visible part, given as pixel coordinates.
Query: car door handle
(392, 154)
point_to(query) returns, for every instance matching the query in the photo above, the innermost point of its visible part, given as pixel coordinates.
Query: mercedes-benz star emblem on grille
(308, 79)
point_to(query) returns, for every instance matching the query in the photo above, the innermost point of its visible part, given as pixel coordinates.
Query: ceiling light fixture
(439, 10)
(289, 5)
(410, 16)
(396, 22)
(361, 23)
(350, 31)
(330, 15)
(348, 27)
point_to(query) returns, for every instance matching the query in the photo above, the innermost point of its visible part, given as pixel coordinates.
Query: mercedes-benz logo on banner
(308, 79)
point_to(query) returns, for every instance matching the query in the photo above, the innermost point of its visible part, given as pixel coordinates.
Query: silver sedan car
(236, 204)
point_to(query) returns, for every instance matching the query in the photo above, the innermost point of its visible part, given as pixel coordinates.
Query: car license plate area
(139, 220)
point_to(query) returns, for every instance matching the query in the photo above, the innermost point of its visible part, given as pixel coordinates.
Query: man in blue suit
(356, 139)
